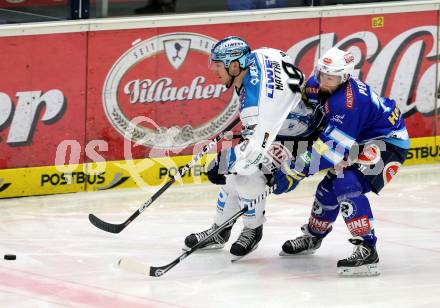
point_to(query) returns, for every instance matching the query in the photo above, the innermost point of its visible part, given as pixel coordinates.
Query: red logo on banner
(166, 80)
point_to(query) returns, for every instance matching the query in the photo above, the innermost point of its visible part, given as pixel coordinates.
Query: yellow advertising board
(142, 172)
(98, 176)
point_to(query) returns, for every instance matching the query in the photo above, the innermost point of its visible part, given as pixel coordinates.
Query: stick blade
(134, 266)
(105, 226)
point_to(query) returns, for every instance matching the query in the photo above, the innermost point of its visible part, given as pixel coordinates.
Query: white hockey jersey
(270, 100)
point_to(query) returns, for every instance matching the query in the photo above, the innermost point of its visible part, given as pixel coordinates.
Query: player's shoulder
(267, 54)
(359, 87)
(312, 85)
(350, 97)
(310, 90)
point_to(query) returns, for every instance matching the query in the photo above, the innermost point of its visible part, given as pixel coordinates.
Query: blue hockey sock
(359, 218)
(325, 209)
(355, 207)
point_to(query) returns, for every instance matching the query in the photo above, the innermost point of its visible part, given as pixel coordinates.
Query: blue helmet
(229, 49)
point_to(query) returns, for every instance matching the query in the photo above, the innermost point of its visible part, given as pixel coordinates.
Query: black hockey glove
(218, 169)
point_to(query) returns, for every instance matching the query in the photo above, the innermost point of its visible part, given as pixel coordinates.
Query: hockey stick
(157, 271)
(116, 228)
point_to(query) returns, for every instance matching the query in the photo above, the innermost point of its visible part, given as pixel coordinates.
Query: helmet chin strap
(231, 82)
(232, 78)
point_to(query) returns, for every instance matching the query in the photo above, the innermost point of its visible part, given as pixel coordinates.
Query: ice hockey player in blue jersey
(363, 143)
(268, 87)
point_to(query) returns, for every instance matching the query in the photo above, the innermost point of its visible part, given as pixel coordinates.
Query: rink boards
(142, 173)
(115, 103)
(98, 176)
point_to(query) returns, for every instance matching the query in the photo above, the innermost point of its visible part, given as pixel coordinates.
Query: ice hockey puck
(10, 257)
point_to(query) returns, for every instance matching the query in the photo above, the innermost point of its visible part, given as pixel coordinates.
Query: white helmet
(336, 62)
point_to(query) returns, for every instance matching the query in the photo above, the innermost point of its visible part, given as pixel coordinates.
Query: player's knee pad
(325, 193)
(325, 208)
(351, 184)
(227, 203)
(221, 199)
(250, 186)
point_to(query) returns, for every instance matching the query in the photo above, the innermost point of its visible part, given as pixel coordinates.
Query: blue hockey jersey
(354, 114)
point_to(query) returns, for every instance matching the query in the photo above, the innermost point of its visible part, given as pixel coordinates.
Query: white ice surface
(64, 261)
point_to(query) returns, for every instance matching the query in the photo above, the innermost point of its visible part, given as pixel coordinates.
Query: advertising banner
(159, 79)
(140, 102)
(100, 176)
(398, 57)
(42, 100)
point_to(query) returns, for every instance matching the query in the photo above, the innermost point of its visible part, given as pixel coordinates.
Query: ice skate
(246, 242)
(364, 260)
(303, 245)
(216, 242)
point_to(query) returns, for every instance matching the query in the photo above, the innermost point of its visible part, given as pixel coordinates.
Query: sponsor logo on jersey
(253, 71)
(270, 75)
(317, 209)
(348, 209)
(338, 118)
(255, 161)
(359, 226)
(370, 155)
(178, 91)
(276, 155)
(326, 107)
(390, 171)
(349, 99)
(312, 90)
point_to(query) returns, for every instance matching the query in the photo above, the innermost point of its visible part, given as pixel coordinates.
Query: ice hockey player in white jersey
(268, 86)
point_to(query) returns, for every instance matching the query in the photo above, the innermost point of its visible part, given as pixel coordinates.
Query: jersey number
(296, 77)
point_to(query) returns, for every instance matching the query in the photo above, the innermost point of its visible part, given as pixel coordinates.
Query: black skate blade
(207, 248)
(302, 253)
(237, 258)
